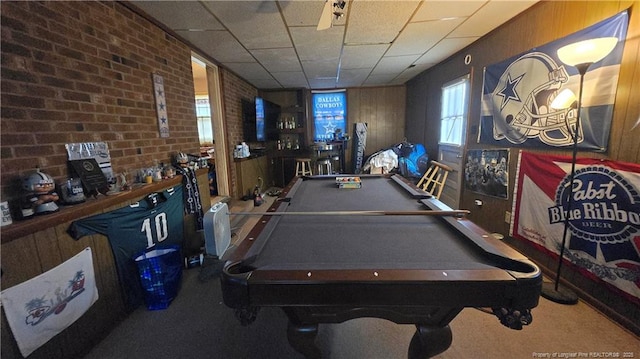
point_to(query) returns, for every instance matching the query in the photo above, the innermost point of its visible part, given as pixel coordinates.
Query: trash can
(160, 271)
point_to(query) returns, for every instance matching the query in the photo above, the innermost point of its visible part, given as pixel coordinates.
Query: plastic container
(160, 271)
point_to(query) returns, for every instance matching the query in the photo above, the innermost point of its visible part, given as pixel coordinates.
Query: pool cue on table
(456, 213)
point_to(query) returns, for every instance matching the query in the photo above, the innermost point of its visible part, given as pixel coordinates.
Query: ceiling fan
(328, 13)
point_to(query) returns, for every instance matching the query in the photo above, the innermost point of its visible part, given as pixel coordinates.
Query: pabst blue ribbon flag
(603, 221)
(40, 308)
(518, 92)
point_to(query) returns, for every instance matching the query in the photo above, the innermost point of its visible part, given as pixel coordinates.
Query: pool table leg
(429, 341)
(302, 338)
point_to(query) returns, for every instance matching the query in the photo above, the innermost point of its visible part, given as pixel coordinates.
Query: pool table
(323, 256)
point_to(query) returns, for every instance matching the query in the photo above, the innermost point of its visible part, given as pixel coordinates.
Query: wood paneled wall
(45, 247)
(383, 109)
(542, 23)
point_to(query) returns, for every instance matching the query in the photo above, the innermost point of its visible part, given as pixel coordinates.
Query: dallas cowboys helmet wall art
(522, 102)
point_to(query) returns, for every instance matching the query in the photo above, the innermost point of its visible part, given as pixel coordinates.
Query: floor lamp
(580, 55)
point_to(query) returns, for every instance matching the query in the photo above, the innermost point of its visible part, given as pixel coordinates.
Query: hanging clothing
(191, 195)
(157, 219)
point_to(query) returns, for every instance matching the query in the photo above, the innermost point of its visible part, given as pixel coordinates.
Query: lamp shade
(565, 99)
(587, 51)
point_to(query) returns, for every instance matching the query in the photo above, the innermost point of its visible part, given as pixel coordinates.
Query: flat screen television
(260, 120)
(249, 121)
(261, 133)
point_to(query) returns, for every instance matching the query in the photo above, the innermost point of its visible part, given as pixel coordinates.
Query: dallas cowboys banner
(329, 113)
(40, 308)
(604, 219)
(517, 94)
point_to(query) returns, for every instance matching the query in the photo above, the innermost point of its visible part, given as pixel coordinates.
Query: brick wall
(235, 89)
(82, 72)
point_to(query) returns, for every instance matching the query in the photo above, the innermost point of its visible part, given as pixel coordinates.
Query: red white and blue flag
(604, 218)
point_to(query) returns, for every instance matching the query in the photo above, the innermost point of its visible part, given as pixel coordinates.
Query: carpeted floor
(199, 325)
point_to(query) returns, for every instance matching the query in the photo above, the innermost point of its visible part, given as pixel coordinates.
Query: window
(329, 114)
(203, 114)
(453, 115)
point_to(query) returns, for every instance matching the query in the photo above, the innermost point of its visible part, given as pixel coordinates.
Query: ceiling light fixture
(340, 5)
(326, 18)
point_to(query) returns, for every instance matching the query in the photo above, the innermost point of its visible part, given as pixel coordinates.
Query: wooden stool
(323, 165)
(434, 178)
(303, 167)
(336, 164)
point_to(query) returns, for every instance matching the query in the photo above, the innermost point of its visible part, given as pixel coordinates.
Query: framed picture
(487, 172)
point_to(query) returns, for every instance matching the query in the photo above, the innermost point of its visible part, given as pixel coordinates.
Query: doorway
(452, 157)
(211, 127)
(453, 124)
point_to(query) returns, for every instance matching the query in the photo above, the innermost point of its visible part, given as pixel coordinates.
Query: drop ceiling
(276, 44)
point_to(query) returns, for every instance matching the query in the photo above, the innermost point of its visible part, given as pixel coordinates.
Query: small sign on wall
(161, 105)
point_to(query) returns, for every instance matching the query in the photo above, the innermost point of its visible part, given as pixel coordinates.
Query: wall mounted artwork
(161, 105)
(487, 172)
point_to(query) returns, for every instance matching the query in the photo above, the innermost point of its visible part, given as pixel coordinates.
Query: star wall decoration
(161, 105)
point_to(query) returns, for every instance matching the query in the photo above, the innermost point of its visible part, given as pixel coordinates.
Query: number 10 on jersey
(161, 229)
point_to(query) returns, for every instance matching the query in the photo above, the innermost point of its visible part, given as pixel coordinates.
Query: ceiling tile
(180, 15)
(394, 64)
(490, 16)
(419, 37)
(379, 80)
(353, 78)
(312, 44)
(278, 60)
(438, 9)
(373, 22)
(361, 56)
(218, 44)
(322, 84)
(302, 13)
(327, 68)
(250, 71)
(265, 84)
(349, 83)
(291, 79)
(411, 72)
(256, 24)
(444, 49)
